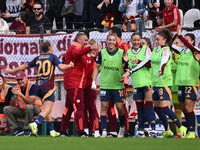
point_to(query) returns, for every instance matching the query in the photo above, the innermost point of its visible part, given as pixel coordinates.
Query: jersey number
(44, 68)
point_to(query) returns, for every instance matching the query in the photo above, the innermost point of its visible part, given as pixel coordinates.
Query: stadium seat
(190, 16)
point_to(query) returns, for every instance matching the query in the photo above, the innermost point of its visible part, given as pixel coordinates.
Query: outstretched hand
(7, 71)
(179, 29)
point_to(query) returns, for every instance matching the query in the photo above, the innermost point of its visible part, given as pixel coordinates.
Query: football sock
(39, 120)
(162, 117)
(171, 115)
(50, 126)
(140, 111)
(103, 122)
(191, 121)
(122, 120)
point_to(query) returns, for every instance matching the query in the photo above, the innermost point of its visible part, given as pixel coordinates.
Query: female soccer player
(142, 85)
(187, 79)
(45, 64)
(161, 59)
(110, 60)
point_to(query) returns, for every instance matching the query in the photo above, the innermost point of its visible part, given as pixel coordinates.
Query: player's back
(45, 64)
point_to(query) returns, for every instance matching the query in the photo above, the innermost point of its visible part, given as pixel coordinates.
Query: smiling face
(37, 9)
(136, 40)
(178, 42)
(160, 40)
(111, 42)
(188, 38)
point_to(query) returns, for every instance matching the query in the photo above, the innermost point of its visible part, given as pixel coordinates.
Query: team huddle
(167, 73)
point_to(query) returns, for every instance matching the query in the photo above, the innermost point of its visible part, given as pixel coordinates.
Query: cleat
(140, 134)
(190, 135)
(183, 131)
(53, 133)
(27, 132)
(168, 133)
(153, 134)
(177, 136)
(104, 134)
(33, 128)
(17, 132)
(121, 132)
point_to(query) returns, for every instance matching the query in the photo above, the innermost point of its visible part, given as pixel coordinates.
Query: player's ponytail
(44, 46)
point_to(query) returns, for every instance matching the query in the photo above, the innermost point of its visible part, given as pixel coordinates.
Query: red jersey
(76, 77)
(122, 45)
(170, 15)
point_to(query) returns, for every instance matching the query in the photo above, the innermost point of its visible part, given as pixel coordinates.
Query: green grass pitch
(75, 143)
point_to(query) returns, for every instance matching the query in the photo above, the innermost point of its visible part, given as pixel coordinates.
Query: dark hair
(148, 41)
(39, 4)
(44, 45)
(160, 15)
(135, 33)
(192, 37)
(110, 35)
(80, 34)
(23, 15)
(116, 30)
(4, 81)
(166, 34)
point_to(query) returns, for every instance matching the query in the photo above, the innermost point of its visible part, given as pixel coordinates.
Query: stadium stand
(190, 16)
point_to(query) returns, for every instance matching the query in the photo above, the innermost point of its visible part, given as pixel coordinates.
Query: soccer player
(45, 64)
(141, 80)
(187, 79)
(161, 59)
(110, 60)
(176, 104)
(111, 111)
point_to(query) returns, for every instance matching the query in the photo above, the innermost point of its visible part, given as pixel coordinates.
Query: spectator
(19, 24)
(4, 29)
(75, 81)
(113, 17)
(6, 93)
(53, 11)
(3, 5)
(154, 9)
(171, 16)
(34, 21)
(133, 13)
(25, 104)
(13, 8)
(91, 16)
